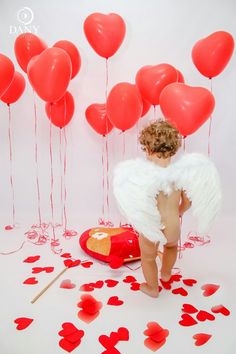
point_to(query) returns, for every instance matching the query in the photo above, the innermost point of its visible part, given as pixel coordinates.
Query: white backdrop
(158, 31)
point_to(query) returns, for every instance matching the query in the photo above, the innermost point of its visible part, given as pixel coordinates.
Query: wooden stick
(48, 286)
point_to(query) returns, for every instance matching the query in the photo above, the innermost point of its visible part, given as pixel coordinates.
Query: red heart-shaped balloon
(7, 71)
(211, 54)
(97, 118)
(105, 33)
(50, 73)
(186, 107)
(61, 112)
(152, 79)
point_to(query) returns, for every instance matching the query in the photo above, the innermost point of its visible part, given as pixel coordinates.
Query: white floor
(213, 263)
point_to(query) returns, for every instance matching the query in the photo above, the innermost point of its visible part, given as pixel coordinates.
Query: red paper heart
(107, 342)
(42, 269)
(31, 281)
(152, 345)
(123, 333)
(129, 279)
(189, 308)
(115, 301)
(86, 287)
(115, 262)
(204, 315)
(160, 336)
(69, 263)
(75, 337)
(175, 277)
(220, 309)
(98, 284)
(152, 328)
(86, 317)
(68, 329)
(187, 320)
(66, 284)
(89, 304)
(189, 282)
(96, 115)
(87, 264)
(135, 286)
(111, 283)
(31, 259)
(201, 338)
(67, 345)
(66, 255)
(48, 269)
(9, 227)
(209, 289)
(180, 291)
(105, 33)
(23, 322)
(166, 284)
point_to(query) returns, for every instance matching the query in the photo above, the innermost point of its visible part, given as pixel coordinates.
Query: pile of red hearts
(90, 308)
(156, 336)
(71, 337)
(109, 342)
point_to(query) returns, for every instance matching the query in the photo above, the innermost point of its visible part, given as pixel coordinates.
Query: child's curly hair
(160, 138)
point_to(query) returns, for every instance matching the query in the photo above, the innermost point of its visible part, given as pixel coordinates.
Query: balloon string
(155, 111)
(180, 241)
(184, 143)
(52, 179)
(137, 135)
(11, 173)
(210, 126)
(36, 158)
(103, 178)
(123, 135)
(107, 178)
(106, 79)
(65, 170)
(61, 181)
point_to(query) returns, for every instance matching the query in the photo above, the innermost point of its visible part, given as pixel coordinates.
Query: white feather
(137, 182)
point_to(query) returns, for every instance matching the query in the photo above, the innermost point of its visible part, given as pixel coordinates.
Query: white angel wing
(198, 177)
(132, 179)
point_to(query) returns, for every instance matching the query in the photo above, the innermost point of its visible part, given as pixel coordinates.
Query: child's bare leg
(168, 261)
(149, 266)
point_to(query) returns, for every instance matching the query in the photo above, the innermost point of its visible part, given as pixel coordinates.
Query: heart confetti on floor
(209, 289)
(23, 322)
(201, 338)
(71, 337)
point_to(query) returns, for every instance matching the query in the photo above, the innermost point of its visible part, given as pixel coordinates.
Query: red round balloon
(124, 105)
(180, 77)
(50, 73)
(27, 45)
(61, 112)
(15, 90)
(105, 33)
(186, 107)
(7, 71)
(211, 54)
(151, 80)
(73, 53)
(96, 115)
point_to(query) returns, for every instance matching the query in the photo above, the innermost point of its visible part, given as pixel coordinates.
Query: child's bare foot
(165, 276)
(149, 291)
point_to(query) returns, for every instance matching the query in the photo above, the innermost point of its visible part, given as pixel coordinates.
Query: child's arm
(185, 203)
